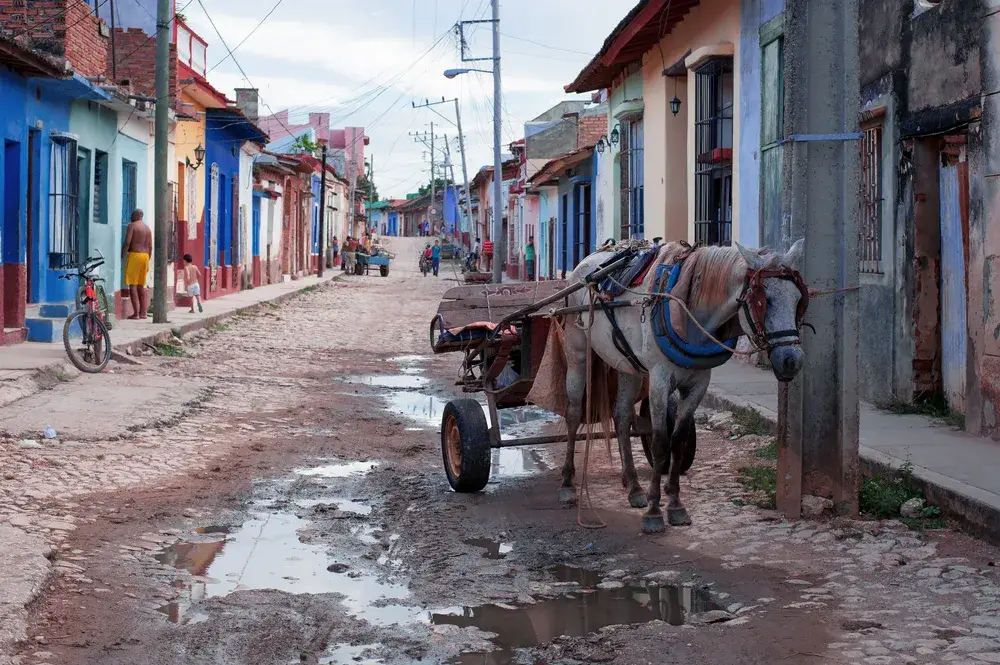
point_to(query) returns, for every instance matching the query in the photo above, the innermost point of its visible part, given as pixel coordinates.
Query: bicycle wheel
(86, 340)
(104, 305)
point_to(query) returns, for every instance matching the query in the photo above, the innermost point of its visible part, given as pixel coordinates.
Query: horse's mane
(716, 267)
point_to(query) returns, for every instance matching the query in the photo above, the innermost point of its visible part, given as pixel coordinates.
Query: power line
(266, 16)
(554, 48)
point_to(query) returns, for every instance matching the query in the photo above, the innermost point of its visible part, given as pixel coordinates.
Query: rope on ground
(584, 486)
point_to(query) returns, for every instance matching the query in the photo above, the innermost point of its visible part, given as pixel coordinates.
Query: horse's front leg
(629, 386)
(691, 397)
(661, 385)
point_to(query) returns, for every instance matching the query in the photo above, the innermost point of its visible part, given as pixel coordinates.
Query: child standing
(192, 280)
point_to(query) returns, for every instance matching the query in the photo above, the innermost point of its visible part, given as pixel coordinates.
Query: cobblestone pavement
(83, 515)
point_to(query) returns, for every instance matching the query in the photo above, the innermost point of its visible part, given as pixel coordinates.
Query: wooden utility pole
(430, 217)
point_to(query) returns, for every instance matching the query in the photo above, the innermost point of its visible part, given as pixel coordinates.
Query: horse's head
(772, 306)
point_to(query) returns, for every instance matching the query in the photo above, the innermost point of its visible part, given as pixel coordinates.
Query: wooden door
(954, 197)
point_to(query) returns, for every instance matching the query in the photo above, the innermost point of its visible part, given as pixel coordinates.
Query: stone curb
(975, 511)
(208, 321)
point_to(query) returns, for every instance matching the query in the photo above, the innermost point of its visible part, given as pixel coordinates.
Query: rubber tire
(71, 352)
(690, 438)
(384, 270)
(471, 472)
(359, 269)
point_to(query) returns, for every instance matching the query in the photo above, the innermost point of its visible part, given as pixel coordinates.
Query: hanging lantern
(675, 105)
(615, 135)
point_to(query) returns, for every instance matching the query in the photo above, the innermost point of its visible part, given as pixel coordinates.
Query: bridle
(753, 302)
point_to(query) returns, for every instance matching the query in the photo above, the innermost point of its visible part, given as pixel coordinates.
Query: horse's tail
(603, 396)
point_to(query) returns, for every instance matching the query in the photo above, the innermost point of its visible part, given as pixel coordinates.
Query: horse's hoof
(637, 499)
(652, 524)
(678, 517)
(567, 495)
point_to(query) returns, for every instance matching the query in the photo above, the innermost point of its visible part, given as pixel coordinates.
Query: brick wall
(61, 27)
(590, 128)
(135, 61)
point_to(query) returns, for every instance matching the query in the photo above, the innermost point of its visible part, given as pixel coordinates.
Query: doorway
(31, 195)
(953, 181)
(10, 240)
(552, 248)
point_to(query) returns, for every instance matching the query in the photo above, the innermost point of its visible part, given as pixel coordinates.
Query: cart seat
(462, 337)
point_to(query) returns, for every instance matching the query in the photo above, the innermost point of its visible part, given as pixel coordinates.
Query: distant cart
(380, 259)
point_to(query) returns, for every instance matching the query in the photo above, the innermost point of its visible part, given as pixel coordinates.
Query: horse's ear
(753, 259)
(793, 257)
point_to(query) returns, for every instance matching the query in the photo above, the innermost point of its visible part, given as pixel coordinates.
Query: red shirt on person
(488, 247)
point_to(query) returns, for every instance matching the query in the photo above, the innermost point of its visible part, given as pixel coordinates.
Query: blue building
(226, 130)
(576, 227)
(27, 117)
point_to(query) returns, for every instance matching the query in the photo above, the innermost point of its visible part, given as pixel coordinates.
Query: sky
(366, 61)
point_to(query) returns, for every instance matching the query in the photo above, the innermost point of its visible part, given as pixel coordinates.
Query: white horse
(764, 290)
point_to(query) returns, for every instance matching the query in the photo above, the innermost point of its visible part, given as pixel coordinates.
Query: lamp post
(499, 242)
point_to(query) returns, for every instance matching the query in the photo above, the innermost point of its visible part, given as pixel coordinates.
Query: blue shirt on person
(436, 252)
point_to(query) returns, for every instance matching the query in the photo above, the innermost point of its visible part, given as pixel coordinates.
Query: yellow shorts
(136, 267)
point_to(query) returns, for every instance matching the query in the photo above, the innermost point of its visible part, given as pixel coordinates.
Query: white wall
(247, 153)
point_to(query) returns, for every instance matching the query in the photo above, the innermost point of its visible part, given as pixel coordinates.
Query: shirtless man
(136, 249)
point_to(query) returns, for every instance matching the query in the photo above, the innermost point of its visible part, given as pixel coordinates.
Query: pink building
(347, 146)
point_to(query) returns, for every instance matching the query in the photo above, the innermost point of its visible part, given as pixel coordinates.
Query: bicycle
(93, 351)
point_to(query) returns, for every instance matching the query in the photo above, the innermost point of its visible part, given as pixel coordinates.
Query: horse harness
(752, 301)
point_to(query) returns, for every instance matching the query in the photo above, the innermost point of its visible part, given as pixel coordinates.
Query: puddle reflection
(495, 549)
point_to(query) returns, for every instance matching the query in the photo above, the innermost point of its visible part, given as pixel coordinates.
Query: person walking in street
(136, 249)
(350, 255)
(343, 253)
(488, 254)
(436, 256)
(529, 258)
(335, 246)
(192, 283)
(477, 250)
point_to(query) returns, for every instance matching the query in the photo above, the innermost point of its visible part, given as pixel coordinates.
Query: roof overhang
(29, 62)
(238, 125)
(552, 171)
(640, 30)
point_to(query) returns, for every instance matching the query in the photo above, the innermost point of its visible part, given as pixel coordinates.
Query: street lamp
(452, 73)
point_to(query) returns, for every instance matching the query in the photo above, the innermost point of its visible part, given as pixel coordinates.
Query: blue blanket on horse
(673, 343)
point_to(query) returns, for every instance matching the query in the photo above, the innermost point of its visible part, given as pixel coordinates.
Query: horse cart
(502, 331)
(380, 259)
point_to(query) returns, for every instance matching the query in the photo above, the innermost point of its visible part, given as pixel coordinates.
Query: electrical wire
(249, 35)
(543, 45)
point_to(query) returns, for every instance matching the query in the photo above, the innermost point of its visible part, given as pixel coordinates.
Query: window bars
(870, 222)
(714, 152)
(64, 197)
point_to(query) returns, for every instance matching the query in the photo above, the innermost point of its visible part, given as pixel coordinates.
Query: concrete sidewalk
(960, 473)
(29, 366)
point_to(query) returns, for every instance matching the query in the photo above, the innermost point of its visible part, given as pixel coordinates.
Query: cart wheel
(690, 438)
(384, 270)
(465, 445)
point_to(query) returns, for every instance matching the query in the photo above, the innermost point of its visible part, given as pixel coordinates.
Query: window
(213, 224)
(713, 174)
(129, 188)
(100, 187)
(771, 132)
(631, 178)
(64, 183)
(870, 223)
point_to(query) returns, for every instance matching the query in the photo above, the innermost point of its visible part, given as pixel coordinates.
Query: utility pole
(322, 216)
(818, 433)
(430, 219)
(371, 174)
(161, 132)
(461, 148)
(498, 240)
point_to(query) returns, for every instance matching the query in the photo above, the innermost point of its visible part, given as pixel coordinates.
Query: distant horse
(757, 293)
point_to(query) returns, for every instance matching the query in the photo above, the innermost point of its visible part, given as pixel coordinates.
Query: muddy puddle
(409, 381)
(584, 609)
(493, 548)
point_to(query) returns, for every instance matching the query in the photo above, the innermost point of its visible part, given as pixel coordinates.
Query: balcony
(192, 50)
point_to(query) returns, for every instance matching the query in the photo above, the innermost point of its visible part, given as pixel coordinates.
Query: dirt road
(286, 504)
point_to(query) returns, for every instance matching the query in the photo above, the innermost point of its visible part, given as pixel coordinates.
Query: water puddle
(495, 549)
(522, 461)
(423, 409)
(339, 470)
(345, 654)
(395, 381)
(266, 552)
(582, 611)
(336, 506)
